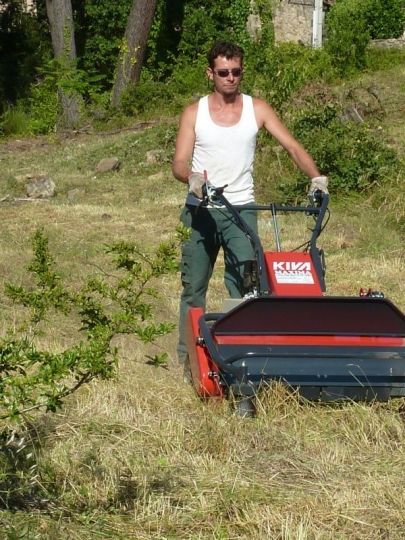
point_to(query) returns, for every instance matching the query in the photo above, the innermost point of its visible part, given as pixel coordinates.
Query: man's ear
(209, 73)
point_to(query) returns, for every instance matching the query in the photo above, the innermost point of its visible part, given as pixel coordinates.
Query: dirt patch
(40, 141)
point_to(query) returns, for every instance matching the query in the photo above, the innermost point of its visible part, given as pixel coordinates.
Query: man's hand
(319, 182)
(196, 181)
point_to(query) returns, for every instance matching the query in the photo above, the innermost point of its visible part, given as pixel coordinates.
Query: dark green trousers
(211, 230)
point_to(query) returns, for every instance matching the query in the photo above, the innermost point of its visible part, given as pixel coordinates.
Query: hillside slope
(140, 456)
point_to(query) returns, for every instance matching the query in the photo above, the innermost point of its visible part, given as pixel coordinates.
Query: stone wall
(388, 43)
(292, 22)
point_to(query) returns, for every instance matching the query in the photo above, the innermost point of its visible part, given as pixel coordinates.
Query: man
(218, 136)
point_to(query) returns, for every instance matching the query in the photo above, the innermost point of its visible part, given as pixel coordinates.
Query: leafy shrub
(347, 35)
(149, 94)
(32, 379)
(42, 107)
(188, 79)
(287, 68)
(34, 115)
(143, 96)
(351, 24)
(354, 155)
(99, 27)
(14, 121)
(384, 18)
(24, 45)
(203, 23)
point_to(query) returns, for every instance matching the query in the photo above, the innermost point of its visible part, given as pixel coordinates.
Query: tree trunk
(133, 48)
(60, 17)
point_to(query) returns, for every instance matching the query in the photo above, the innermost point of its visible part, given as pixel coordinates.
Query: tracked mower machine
(287, 329)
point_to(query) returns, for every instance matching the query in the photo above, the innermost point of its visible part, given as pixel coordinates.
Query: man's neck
(224, 100)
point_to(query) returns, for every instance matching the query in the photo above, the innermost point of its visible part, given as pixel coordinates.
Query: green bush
(38, 113)
(354, 155)
(42, 107)
(347, 35)
(145, 95)
(205, 22)
(385, 18)
(99, 28)
(32, 379)
(14, 121)
(351, 24)
(34, 115)
(24, 45)
(287, 68)
(187, 80)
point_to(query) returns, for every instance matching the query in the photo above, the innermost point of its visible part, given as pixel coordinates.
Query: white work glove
(196, 181)
(318, 182)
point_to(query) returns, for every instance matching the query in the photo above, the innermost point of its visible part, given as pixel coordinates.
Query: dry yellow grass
(141, 457)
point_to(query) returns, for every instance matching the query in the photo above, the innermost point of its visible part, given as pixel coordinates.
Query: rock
(154, 156)
(353, 114)
(254, 26)
(75, 193)
(397, 43)
(28, 176)
(40, 187)
(108, 164)
(292, 21)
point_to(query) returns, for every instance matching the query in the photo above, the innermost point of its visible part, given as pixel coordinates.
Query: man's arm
(267, 118)
(184, 144)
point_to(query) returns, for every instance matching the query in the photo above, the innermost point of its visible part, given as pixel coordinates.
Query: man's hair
(224, 48)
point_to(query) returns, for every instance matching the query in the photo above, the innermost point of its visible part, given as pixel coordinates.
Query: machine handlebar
(318, 203)
(318, 209)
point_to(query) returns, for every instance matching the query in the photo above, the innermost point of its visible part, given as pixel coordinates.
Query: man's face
(231, 68)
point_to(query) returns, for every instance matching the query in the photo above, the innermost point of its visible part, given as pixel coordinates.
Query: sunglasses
(236, 72)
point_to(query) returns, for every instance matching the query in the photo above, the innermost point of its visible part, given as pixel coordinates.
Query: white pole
(317, 24)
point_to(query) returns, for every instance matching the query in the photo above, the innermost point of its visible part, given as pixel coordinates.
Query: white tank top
(227, 152)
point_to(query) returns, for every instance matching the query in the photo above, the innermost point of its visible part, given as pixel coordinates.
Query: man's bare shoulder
(264, 112)
(261, 105)
(189, 113)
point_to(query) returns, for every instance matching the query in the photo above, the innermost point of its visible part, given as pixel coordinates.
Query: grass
(140, 456)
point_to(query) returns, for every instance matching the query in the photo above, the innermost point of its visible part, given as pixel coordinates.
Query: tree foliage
(99, 28)
(105, 305)
(173, 67)
(385, 18)
(203, 23)
(351, 24)
(347, 35)
(24, 46)
(356, 155)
